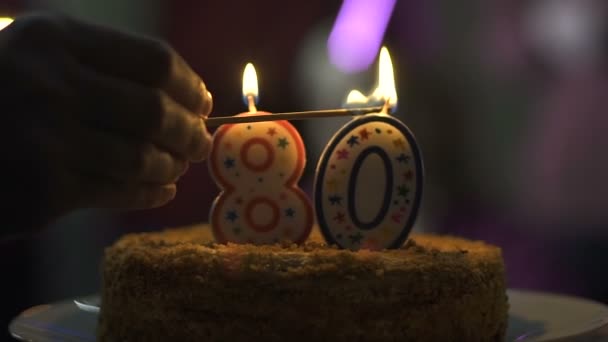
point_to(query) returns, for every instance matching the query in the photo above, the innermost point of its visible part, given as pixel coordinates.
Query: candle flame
(250, 82)
(385, 92)
(4, 22)
(386, 80)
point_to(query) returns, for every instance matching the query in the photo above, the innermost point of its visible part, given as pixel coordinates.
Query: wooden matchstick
(223, 120)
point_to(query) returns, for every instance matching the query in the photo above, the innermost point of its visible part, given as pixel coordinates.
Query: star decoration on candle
(343, 154)
(283, 143)
(353, 140)
(364, 134)
(229, 163)
(271, 131)
(356, 238)
(231, 216)
(403, 158)
(396, 217)
(289, 212)
(399, 143)
(403, 190)
(339, 217)
(335, 200)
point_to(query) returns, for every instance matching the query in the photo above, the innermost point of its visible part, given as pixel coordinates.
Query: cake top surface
(194, 248)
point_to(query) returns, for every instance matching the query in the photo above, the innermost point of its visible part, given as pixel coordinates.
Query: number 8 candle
(258, 166)
(368, 182)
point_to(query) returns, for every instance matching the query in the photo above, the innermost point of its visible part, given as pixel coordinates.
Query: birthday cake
(179, 285)
(256, 272)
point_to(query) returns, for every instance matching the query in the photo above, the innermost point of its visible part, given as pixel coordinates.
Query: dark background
(507, 99)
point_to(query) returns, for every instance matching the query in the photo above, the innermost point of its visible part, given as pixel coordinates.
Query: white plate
(533, 316)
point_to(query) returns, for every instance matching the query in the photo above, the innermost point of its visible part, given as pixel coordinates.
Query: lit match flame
(385, 92)
(250, 87)
(356, 96)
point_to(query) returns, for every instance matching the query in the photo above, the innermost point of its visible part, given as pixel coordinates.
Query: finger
(122, 160)
(77, 182)
(185, 135)
(131, 109)
(139, 59)
(103, 193)
(209, 106)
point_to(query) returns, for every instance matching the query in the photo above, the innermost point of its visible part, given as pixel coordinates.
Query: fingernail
(209, 105)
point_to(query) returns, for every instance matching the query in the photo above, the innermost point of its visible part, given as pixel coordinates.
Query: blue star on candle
(289, 212)
(355, 238)
(403, 190)
(231, 216)
(229, 163)
(283, 143)
(335, 200)
(353, 140)
(403, 158)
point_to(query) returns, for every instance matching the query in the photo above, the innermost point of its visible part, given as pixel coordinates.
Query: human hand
(95, 117)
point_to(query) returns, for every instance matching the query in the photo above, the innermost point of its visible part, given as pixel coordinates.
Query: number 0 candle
(368, 183)
(257, 166)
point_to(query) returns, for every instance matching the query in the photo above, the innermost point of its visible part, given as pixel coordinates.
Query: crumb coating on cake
(179, 284)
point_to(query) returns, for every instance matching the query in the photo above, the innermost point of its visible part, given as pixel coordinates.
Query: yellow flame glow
(386, 79)
(356, 97)
(250, 81)
(385, 89)
(4, 22)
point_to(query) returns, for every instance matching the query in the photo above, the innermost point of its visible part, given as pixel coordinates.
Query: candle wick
(386, 106)
(251, 103)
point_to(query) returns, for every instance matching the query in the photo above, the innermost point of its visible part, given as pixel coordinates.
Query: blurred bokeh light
(5, 21)
(358, 33)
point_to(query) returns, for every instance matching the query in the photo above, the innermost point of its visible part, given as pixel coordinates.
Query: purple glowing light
(358, 32)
